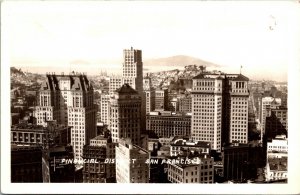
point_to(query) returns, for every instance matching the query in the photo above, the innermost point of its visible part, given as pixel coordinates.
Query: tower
(125, 114)
(69, 99)
(207, 109)
(133, 66)
(220, 107)
(238, 108)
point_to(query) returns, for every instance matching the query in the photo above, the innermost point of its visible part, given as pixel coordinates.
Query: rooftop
(241, 77)
(30, 126)
(77, 82)
(184, 141)
(99, 137)
(126, 89)
(278, 164)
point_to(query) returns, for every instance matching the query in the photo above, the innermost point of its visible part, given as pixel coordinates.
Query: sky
(90, 36)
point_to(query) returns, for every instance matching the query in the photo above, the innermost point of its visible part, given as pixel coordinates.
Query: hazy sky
(94, 33)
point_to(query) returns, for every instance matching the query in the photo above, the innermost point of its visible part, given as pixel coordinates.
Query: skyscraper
(133, 66)
(237, 108)
(207, 109)
(125, 114)
(132, 74)
(220, 106)
(69, 99)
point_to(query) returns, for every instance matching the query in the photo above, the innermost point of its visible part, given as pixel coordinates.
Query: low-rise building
(100, 156)
(276, 169)
(168, 124)
(181, 145)
(278, 145)
(202, 172)
(38, 135)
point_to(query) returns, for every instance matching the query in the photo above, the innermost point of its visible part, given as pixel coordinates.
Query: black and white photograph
(137, 96)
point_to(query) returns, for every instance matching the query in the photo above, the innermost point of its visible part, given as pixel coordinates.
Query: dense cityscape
(179, 126)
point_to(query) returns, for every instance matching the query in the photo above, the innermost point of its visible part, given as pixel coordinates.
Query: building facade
(267, 103)
(181, 145)
(68, 99)
(54, 170)
(235, 162)
(30, 134)
(130, 163)
(166, 124)
(116, 82)
(161, 99)
(99, 153)
(104, 108)
(192, 173)
(276, 122)
(26, 164)
(278, 147)
(185, 104)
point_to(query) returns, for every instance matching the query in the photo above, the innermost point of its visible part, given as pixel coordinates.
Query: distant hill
(16, 71)
(178, 60)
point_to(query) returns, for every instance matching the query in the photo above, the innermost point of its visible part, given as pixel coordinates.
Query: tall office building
(237, 108)
(130, 163)
(104, 105)
(149, 94)
(125, 114)
(68, 99)
(207, 109)
(133, 66)
(220, 106)
(132, 71)
(132, 74)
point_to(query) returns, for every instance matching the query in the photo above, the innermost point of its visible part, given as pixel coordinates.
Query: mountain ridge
(178, 60)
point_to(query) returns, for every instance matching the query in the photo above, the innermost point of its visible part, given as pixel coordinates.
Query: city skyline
(89, 35)
(206, 84)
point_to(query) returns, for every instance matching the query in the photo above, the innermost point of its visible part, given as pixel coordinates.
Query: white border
(293, 162)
